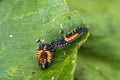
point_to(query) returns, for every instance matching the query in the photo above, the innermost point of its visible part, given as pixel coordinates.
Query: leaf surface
(24, 21)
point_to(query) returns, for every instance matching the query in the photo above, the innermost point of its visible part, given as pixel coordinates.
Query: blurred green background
(99, 58)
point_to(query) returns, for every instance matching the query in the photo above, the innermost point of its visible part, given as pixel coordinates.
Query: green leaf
(99, 59)
(24, 21)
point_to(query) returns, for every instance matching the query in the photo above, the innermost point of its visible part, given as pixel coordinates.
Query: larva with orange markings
(44, 55)
(45, 51)
(69, 38)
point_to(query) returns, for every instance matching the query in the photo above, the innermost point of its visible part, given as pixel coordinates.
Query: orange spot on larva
(71, 38)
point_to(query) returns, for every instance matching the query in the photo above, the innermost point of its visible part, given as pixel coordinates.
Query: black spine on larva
(41, 46)
(48, 47)
(59, 43)
(70, 34)
(81, 30)
(44, 65)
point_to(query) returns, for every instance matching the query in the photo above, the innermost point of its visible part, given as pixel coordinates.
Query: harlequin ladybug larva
(69, 38)
(44, 55)
(45, 51)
